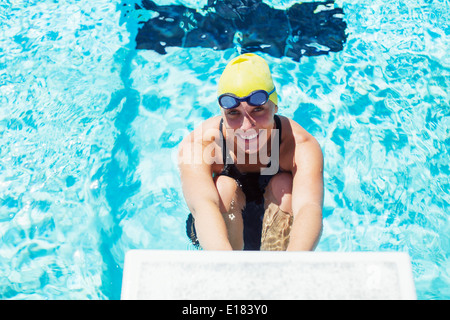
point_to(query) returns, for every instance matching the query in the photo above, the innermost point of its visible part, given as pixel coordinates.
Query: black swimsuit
(253, 185)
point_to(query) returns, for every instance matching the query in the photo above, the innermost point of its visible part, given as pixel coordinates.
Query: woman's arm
(202, 197)
(307, 196)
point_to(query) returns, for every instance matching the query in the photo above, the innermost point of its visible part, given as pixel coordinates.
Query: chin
(249, 147)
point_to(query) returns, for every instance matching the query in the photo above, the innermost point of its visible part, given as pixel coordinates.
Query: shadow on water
(303, 29)
(118, 175)
(310, 29)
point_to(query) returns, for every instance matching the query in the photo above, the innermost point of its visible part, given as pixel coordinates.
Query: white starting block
(257, 275)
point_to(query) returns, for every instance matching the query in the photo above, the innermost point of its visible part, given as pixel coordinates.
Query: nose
(247, 123)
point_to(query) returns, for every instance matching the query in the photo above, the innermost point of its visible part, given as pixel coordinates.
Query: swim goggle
(256, 98)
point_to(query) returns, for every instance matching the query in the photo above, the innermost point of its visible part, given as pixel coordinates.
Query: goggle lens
(228, 102)
(258, 98)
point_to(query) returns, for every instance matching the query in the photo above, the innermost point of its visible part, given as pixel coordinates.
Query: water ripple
(89, 132)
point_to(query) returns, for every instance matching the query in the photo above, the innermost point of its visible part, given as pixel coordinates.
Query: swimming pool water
(89, 129)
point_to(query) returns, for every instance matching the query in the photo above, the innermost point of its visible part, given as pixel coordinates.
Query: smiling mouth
(248, 137)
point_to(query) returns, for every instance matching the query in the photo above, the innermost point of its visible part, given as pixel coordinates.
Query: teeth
(249, 137)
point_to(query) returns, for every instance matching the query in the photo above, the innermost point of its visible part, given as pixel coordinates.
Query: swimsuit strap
(278, 126)
(225, 155)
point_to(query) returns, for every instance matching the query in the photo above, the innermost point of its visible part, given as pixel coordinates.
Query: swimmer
(252, 179)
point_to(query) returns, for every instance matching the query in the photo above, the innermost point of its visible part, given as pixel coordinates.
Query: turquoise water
(89, 129)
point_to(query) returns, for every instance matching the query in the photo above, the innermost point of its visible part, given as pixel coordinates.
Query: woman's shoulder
(200, 146)
(296, 141)
(294, 132)
(205, 132)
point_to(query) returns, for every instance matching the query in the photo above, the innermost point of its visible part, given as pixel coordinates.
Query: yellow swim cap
(245, 74)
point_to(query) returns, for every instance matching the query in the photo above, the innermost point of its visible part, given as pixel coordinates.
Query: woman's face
(250, 126)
